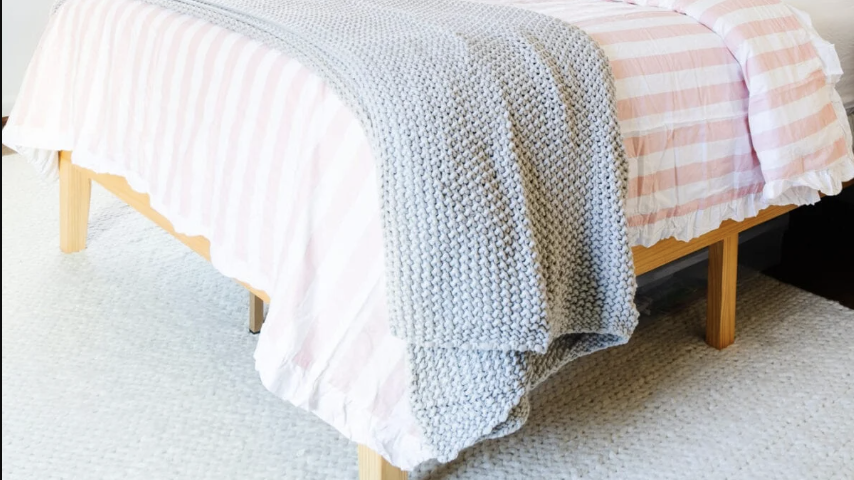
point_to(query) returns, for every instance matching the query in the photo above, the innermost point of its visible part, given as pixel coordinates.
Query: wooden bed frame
(75, 189)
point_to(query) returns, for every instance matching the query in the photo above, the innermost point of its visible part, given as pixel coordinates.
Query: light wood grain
(720, 312)
(119, 187)
(75, 206)
(667, 250)
(256, 313)
(372, 466)
(670, 249)
(75, 190)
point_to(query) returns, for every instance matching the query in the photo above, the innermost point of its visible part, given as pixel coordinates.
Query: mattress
(244, 145)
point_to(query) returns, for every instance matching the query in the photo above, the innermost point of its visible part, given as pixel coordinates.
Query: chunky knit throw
(503, 178)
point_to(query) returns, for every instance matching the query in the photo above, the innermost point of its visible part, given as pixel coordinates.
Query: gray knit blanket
(503, 179)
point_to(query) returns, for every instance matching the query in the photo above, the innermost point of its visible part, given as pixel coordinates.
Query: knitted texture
(503, 178)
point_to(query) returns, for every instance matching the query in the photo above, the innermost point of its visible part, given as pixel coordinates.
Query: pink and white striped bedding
(239, 143)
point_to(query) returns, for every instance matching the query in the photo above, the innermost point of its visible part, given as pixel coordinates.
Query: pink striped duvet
(726, 106)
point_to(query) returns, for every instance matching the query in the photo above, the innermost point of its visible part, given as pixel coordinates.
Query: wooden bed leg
(720, 314)
(75, 189)
(256, 313)
(372, 466)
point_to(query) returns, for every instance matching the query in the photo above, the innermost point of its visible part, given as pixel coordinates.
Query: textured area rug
(132, 360)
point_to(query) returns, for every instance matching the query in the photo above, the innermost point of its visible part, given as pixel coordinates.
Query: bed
(174, 116)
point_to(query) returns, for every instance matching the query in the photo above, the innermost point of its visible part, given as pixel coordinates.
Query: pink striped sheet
(778, 57)
(696, 97)
(664, 180)
(246, 146)
(642, 66)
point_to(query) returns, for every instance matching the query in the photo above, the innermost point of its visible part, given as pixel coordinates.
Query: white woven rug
(132, 360)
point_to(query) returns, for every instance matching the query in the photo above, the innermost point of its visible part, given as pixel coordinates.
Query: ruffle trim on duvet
(804, 190)
(684, 227)
(46, 159)
(692, 225)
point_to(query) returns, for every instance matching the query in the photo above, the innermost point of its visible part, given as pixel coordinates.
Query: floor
(131, 360)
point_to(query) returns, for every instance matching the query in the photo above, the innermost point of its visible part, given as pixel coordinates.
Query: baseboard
(6, 150)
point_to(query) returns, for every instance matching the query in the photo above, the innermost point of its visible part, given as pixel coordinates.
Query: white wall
(23, 22)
